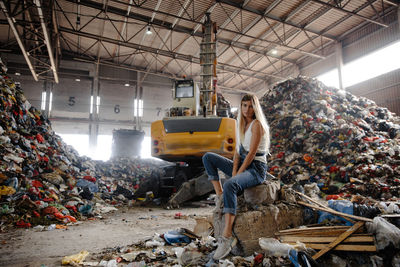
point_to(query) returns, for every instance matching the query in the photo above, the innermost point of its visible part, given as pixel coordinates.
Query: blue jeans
(252, 176)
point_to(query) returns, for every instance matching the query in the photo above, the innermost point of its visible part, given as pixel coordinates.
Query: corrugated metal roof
(185, 15)
(284, 8)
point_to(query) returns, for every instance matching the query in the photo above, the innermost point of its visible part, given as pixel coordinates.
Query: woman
(247, 169)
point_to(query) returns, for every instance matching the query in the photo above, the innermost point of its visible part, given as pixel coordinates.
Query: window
(184, 89)
(51, 101)
(98, 105)
(91, 104)
(43, 105)
(136, 108)
(377, 63)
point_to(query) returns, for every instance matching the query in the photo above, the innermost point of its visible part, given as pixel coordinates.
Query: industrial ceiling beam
(327, 28)
(344, 34)
(169, 33)
(170, 54)
(47, 40)
(270, 30)
(351, 13)
(19, 41)
(196, 28)
(271, 17)
(182, 29)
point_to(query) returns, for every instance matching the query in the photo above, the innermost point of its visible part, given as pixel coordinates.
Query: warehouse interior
(94, 66)
(102, 46)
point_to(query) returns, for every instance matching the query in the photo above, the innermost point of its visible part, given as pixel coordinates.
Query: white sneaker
(224, 247)
(219, 203)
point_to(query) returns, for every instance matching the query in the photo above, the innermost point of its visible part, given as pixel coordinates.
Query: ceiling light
(274, 51)
(127, 84)
(18, 74)
(148, 31)
(77, 80)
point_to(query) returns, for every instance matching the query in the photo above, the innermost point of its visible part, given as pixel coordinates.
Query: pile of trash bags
(43, 180)
(345, 144)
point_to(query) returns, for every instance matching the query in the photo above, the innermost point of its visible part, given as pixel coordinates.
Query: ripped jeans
(252, 176)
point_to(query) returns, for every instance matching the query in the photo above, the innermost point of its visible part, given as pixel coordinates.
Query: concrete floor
(26, 247)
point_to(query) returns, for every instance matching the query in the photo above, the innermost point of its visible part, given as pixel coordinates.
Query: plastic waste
(110, 263)
(225, 263)
(396, 260)
(385, 233)
(51, 227)
(343, 206)
(273, 247)
(176, 237)
(154, 243)
(137, 264)
(178, 252)
(76, 258)
(393, 208)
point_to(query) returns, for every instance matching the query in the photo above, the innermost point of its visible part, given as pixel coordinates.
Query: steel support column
(339, 64)
(94, 116)
(398, 16)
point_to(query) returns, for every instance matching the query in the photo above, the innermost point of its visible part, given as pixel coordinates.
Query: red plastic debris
(280, 155)
(23, 224)
(258, 259)
(36, 214)
(39, 138)
(89, 178)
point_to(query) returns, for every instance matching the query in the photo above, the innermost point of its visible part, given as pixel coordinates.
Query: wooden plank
(341, 214)
(365, 248)
(319, 233)
(338, 240)
(327, 239)
(321, 205)
(315, 228)
(390, 215)
(315, 233)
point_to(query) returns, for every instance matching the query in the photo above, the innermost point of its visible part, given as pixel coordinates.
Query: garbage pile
(346, 144)
(174, 248)
(130, 178)
(43, 181)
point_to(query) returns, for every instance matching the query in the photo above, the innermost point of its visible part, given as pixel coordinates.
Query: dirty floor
(26, 247)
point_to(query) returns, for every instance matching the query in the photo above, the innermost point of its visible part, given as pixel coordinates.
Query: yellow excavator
(198, 122)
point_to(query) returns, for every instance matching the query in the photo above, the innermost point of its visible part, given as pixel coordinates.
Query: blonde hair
(258, 114)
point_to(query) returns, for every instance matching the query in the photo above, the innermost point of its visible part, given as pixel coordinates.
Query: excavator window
(184, 89)
(192, 125)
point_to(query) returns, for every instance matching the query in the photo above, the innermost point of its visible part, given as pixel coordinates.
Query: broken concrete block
(265, 222)
(266, 193)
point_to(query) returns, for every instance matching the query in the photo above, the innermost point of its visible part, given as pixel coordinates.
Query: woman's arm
(236, 161)
(257, 132)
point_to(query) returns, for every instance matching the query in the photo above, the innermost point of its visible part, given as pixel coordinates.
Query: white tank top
(262, 147)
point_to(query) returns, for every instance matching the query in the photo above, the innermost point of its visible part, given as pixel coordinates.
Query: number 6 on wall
(116, 109)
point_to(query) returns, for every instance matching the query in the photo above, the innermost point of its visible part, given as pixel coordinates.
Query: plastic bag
(385, 233)
(225, 263)
(76, 258)
(273, 247)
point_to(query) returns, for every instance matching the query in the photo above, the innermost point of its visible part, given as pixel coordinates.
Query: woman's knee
(206, 157)
(229, 186)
